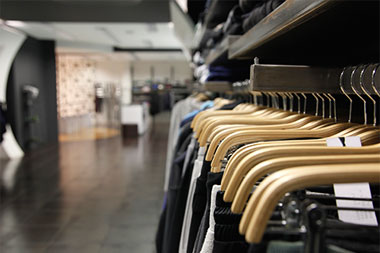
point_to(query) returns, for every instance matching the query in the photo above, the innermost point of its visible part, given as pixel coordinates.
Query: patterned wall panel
(75, 85)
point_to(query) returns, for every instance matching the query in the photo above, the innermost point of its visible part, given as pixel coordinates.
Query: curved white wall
(10, 43)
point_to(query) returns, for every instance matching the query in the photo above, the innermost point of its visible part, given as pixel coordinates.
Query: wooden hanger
(294, 125)
(248, 149)
(243, 137)
(264, 154)
(367, 137)
(278, 118)
(277, 164)
(273, 188)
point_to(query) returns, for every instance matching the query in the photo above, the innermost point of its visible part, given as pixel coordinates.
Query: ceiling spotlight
(15, 23)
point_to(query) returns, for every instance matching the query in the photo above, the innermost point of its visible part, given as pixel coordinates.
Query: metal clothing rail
(307, 79)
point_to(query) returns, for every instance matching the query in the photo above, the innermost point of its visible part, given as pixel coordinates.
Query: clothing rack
(309, 79)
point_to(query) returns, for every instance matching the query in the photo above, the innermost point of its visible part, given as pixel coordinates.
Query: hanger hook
(373, 80)
(316, 104)
(291, 101)
(334, 101)
(344, 92)
(361, 82)
(298, 102)
(304, 104)
(357, 93)
(323, 104)
(329, 99)
(277, 100)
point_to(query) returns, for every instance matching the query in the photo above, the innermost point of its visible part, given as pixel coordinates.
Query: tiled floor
(89, 196)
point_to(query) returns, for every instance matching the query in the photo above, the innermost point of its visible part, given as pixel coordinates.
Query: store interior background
(93, 82)
(88, 90)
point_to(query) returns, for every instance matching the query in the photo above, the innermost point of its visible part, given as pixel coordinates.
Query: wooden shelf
(218, 86)
(220, 52)
(324, 32)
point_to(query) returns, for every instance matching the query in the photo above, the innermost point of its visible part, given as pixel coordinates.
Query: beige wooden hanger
(248, 136)
(277, 164)
(195, 124)
(294, 125)
(268, 112)
(264, 154)
(233, 117)
(248, 149)
(368, 136)
(273, 188)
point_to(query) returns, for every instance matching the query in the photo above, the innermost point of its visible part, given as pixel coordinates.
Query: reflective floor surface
(88, 196)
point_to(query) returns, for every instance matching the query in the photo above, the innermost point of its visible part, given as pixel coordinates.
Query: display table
(136, 115)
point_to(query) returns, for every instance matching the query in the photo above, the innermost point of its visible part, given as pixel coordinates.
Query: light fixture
(15, 23)
(171, 25)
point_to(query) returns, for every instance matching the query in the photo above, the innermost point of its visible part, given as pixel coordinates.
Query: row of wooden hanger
(288, 146)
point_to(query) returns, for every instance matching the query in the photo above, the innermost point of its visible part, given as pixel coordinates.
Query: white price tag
(354, 190)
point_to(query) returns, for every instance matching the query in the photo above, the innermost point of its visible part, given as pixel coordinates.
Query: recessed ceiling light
(171, 25)
(15, 23)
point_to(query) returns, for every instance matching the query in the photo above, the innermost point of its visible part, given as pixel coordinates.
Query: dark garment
(260, 12)
(230, 106)
(230, 247)
(195, 9)
(177, 194)
(3, 122)
(221, 73)
(212, 179)
(233, 24)
(218, 12)
(160, 231)
(248, 5)
(170, 220)
(199, 204)
(226, 231)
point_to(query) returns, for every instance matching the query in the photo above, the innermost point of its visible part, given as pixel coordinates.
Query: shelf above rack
(317, 32)
(220, 52)
(218, 86)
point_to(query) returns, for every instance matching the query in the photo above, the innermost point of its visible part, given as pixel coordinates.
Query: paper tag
(354, 190)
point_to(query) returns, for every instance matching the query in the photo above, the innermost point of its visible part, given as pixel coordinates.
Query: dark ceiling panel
(85, 11)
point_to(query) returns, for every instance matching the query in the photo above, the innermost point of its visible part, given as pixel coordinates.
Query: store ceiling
(122, 35)
(129, 56)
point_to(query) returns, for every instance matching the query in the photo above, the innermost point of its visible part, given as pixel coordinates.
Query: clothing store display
(276, 163)
(198, 215)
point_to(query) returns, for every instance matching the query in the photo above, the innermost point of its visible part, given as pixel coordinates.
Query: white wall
(10, 43)
(142, 70)
(115, 71)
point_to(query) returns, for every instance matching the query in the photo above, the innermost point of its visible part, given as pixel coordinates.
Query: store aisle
(89, 196)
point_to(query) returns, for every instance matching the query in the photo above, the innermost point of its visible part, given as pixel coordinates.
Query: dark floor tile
(81, 236)
(31, 235)
(34, 248)
(49, 218)
(122, 248)
(65, 248)
(132, 235)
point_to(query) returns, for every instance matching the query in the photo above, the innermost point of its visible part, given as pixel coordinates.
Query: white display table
(136, 114)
